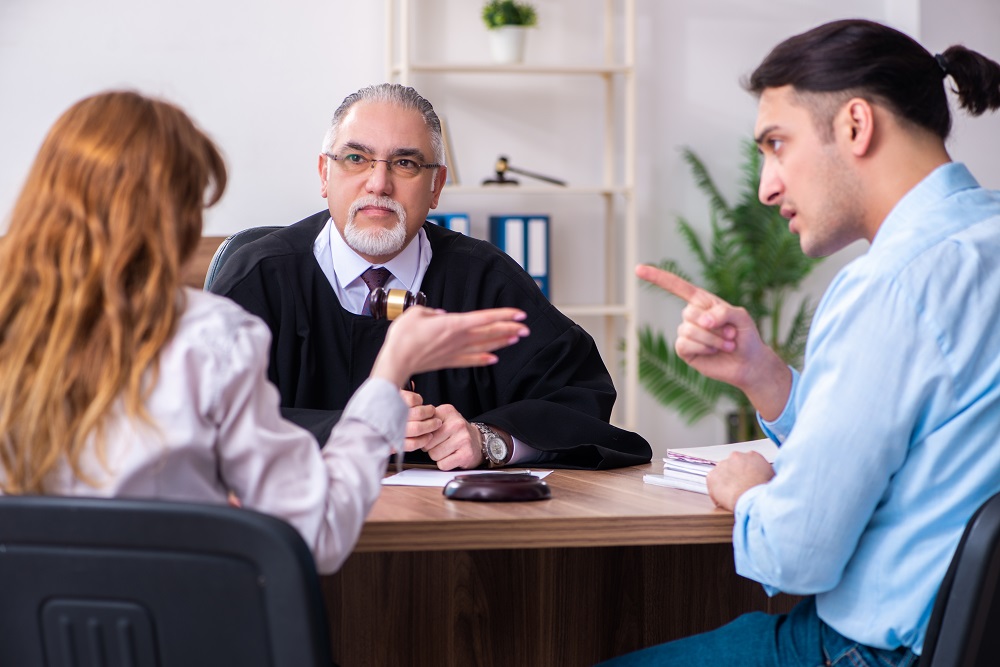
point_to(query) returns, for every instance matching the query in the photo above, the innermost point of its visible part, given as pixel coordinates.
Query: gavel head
(390, 304)
(501, 166)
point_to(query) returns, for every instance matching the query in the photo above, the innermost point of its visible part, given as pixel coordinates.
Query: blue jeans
(769, 640)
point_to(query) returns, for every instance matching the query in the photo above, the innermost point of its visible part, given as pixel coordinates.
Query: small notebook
(686, 467)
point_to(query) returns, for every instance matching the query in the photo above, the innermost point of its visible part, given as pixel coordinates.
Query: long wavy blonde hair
(90, 275)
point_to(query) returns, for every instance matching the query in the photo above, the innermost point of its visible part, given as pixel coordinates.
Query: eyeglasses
(354, 163)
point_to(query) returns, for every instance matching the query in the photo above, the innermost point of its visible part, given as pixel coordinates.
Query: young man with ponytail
(888, 434)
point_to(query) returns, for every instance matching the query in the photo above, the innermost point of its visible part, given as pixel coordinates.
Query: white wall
(260, 77)
(264, 77)
(974, 23)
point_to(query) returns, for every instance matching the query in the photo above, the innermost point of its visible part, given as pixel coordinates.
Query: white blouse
(218, 428)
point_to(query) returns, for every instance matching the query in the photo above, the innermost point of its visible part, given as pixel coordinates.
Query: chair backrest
(964, 629)
(109, 582)
(231, 244)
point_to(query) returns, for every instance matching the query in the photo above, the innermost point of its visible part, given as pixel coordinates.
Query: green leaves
(508, 12)
(672, 382)
(750, 260)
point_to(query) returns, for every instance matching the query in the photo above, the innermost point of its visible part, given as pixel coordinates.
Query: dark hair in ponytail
(976, 77)
(867, 59)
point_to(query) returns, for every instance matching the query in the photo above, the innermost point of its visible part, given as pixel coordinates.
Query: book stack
(686, 467)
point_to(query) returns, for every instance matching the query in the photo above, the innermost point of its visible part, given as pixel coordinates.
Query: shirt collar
(909, 217)
(349, 266)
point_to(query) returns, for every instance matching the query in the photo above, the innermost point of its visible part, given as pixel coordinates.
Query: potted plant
(751, 260)
(507, 21)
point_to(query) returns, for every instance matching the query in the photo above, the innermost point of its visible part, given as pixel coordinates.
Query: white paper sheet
(440, 478)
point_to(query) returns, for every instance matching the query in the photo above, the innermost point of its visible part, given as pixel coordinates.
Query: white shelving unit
(616, 189)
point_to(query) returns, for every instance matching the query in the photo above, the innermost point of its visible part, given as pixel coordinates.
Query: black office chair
(964, 629)
(88, 582)
(231, 244)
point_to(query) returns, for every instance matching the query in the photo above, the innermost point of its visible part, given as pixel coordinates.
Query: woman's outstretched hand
(424, 339)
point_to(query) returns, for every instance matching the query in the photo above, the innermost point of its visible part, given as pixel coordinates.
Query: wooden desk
(607, 565)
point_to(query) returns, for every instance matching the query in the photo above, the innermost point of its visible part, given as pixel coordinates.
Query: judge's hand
(421, 421)
(721, 341)
(456, 444)
(422, 340)
(736, 473)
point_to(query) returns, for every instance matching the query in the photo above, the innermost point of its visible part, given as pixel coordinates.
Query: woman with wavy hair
(119, 381)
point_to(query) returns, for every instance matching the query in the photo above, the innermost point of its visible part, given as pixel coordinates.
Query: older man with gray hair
(548, 399)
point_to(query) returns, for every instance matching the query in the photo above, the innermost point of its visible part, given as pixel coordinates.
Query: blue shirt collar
(909, 218)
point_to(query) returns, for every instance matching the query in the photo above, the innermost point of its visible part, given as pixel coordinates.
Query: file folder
(456, 222)
(526, 239)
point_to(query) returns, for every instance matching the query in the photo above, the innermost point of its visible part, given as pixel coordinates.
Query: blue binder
(526, 239)
(456, 222)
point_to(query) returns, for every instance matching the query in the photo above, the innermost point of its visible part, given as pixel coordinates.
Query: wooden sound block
(497, 487)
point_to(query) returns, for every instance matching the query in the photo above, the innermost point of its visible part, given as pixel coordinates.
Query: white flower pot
(507, 44)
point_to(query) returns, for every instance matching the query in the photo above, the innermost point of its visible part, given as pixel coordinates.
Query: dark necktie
(373, 278)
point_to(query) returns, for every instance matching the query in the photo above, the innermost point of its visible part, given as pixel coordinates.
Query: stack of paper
(686, 467)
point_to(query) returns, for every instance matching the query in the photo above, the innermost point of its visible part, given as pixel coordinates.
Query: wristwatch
(496, 451)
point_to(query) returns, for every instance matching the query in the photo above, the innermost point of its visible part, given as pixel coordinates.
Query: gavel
(390, 304)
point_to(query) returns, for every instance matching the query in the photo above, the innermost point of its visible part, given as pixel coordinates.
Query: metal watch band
(488, 434)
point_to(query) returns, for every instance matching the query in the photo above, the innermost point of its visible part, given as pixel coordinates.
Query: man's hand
(721, 341)
(456, 444)
(422, 421)
(736, 473)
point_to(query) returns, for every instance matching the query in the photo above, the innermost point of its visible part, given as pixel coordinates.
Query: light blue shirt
(890, 439)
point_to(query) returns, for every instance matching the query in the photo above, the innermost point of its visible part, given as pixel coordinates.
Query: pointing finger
(676, 285)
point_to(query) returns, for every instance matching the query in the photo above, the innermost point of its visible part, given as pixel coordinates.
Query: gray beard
(376, 241)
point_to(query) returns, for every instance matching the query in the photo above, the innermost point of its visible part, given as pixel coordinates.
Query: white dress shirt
(217, 427)
(343, 268)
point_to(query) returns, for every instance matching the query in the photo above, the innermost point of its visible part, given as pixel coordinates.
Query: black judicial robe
(551, 390)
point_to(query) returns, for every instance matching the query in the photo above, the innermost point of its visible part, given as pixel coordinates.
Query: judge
(381, 169)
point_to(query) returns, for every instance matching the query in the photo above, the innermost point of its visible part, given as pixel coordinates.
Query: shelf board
(536, 190)
(487, 68)
(595, 310)
(613, 193)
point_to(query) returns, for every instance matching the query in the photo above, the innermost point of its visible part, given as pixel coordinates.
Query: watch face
(496, 448)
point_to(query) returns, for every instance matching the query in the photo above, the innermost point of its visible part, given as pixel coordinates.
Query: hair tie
(942, 63)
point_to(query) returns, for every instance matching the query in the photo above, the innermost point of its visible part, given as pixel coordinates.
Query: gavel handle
(410, 386)
(547, 179)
